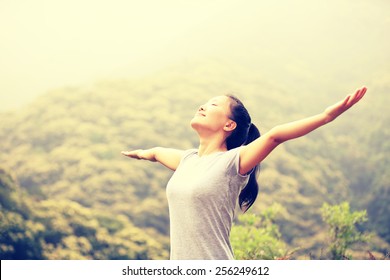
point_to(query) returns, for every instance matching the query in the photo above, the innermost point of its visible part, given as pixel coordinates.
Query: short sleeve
(233, 163)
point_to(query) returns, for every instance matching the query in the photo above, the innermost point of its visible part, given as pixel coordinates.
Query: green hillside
(67, 193)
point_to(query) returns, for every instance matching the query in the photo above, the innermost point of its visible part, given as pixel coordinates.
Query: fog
(45, 44)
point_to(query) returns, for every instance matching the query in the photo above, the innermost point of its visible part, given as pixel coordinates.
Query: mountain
(80, 199)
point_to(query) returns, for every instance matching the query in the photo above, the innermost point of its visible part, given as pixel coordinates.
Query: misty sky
(46, 44)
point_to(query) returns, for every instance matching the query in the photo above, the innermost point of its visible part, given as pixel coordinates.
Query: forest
(66, 192)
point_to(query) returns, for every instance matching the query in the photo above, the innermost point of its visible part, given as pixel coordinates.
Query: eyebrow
(214, 99)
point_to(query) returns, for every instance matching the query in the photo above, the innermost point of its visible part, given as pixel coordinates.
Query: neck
(209, 145)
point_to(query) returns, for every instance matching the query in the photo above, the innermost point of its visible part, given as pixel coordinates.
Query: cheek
(218, 118)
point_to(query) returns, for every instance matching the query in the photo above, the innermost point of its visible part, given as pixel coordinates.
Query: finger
(346, 101)
(363, 92)
(127, 153)
(359, 94)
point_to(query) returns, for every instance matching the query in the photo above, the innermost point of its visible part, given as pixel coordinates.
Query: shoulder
(233, 153)
(189, 153)
(234, 150)
(232, 157)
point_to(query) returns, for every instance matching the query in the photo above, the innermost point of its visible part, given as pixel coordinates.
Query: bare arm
(166, 156)
(259, 149)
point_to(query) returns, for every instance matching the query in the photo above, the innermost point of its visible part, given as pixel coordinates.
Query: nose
(201, 108)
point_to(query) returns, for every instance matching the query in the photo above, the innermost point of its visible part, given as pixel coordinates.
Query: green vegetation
(67, 193)
(258, 237)
(342, 228)
(62, 229)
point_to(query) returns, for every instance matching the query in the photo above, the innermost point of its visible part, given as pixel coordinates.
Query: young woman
(209, 181)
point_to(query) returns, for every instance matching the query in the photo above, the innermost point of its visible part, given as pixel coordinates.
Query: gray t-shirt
(202, 197)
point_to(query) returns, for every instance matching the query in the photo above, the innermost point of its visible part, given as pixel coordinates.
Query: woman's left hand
(340, 107)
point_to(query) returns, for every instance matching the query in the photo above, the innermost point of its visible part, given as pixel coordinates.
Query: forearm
(288, 131)
(153, 154)
(256, 151)
(149, 154)
(166, 156)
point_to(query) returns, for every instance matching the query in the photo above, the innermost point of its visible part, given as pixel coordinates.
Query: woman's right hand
(140, 154)
(166, 156)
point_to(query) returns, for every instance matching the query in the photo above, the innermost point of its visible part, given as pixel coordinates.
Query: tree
(17, 232)
(343, 229)
(257, 236)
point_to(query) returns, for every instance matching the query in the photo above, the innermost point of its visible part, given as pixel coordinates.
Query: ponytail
(249, 193)
(243, 134)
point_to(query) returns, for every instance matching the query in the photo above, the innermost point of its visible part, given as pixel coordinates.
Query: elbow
(277, 141)
(275, 136)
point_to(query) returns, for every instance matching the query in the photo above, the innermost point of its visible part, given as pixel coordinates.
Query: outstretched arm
(166, 156)
(259, 149)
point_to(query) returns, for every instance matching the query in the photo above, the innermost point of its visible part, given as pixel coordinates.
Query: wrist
(153, 154)
(327, 117)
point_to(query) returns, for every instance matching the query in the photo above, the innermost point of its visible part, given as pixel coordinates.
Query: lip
(200, 114)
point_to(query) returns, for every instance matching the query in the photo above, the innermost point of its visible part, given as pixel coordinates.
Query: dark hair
(244, 133)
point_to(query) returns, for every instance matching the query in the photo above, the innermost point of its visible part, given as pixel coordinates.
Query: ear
(230, 126)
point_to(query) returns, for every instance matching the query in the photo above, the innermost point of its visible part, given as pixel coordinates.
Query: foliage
(65, 230)
(343, 229)
(257, 236)
(68, 193)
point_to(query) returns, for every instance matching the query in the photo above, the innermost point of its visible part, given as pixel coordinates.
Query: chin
(195, 124)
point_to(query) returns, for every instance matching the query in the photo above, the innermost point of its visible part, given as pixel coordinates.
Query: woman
(208, 181)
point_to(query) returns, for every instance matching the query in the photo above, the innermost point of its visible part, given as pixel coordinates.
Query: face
(214, 115)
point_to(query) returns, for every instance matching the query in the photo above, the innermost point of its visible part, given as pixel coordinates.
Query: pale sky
(46, 44)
